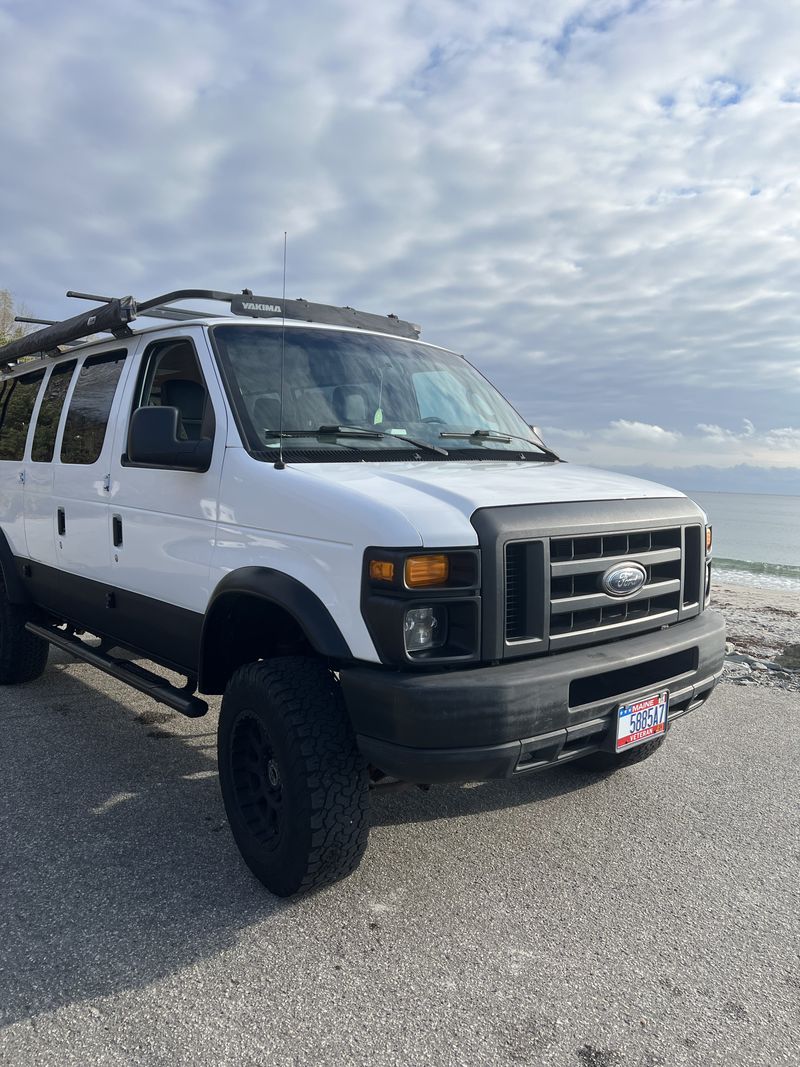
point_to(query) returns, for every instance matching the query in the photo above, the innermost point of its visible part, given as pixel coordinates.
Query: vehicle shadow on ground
(116, 863)
(117, 867)
(412, 804)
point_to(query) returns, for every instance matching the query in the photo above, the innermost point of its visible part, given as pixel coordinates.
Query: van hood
(438, 499)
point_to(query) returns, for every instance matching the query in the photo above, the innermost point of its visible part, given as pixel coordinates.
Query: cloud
(624, 443)
(627, 432)
(596, 202)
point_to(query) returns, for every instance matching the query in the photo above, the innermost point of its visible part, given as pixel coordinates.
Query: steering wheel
(434, 418)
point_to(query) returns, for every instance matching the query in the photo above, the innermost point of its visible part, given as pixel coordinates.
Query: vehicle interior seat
(267, 413)
(349, 404)
(190, 399)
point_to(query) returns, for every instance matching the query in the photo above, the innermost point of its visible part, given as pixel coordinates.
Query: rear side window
(44, 437)
(17, 397)
(87, 418)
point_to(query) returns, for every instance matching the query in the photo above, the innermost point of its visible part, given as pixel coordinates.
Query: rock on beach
(763, 646)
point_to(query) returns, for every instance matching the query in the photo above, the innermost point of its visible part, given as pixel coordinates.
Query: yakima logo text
(249, 305)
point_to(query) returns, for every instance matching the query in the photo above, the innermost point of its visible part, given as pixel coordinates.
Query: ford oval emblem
(623, 579)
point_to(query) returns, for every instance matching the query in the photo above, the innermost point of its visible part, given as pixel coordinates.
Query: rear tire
(612, 761)
(23, 655)
(294, 784)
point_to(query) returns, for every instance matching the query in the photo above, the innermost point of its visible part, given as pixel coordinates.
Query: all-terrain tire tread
(324, 755)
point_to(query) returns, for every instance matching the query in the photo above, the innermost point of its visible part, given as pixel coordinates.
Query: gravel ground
(644, 918)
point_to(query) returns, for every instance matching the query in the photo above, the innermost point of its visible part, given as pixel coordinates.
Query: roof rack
(116, 313)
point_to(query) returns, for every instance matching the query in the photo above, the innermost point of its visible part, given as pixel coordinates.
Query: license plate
(642, 720)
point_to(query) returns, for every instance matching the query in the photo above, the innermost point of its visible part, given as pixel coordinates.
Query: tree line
(10, 330)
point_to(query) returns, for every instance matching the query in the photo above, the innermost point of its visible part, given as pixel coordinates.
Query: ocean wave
(778, 570)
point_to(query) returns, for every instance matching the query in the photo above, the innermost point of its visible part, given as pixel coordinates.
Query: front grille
(515, 590)
(578, 610)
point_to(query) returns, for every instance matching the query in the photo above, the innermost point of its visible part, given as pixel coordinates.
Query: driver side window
(170, 376)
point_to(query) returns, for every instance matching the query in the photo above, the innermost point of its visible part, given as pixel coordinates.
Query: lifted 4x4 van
(353, 537)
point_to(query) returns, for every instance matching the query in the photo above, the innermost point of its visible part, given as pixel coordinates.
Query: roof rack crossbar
(155, 312)
(186, 294)
(90, 296)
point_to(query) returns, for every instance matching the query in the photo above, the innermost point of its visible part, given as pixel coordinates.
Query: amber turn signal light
(422, 571)
(381, 570)
(708, 538)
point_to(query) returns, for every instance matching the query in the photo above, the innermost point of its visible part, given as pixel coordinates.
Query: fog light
(424, 628)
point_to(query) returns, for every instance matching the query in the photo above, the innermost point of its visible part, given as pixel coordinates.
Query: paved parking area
(644, 918)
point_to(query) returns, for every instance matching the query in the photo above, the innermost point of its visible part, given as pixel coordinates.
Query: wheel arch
(14, 586)
(256, 612)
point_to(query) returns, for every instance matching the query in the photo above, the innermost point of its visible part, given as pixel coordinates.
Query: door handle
(62, 522)
(116, 530)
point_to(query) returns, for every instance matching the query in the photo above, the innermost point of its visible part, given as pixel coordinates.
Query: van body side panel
(13, 473)
(167, 517)
(40, 510)
(160, 631)
(80, 490)
(12, 505)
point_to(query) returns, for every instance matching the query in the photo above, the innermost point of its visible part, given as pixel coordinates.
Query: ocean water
(756, 538)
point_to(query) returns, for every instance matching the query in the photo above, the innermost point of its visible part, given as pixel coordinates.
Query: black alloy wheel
(257, 780)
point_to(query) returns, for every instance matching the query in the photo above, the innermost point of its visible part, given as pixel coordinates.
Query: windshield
(393, 390)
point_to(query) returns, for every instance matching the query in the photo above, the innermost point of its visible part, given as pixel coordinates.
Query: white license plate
(642, 720)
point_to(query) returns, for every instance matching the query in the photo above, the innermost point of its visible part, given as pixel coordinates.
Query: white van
(352, 536)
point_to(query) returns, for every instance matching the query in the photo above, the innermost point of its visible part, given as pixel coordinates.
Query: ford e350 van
(356, 540)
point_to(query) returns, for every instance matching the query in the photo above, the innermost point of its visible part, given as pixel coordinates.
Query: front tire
(294, 784)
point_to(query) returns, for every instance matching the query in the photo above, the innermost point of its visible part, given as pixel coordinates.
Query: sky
(597, 203)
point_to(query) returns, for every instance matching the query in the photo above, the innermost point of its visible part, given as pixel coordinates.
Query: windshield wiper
(361, 431)
(496, 435)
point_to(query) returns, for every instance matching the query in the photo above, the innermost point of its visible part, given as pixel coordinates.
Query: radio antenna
(280, 465)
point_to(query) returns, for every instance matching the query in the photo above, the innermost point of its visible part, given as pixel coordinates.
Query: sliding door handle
(116, 531)
(62, 522)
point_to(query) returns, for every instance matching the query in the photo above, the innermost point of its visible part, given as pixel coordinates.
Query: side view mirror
(153, 441)
(537, 433)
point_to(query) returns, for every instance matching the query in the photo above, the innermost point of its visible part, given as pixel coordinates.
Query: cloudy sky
(598, 203)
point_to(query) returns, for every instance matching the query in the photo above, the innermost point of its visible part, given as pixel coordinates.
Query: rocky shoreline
(763, 636)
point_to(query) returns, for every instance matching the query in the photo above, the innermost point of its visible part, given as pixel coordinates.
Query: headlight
(709, 539)
(423, 607)
(392, 569)
(424, 628)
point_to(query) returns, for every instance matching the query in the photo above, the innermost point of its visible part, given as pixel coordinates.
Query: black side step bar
(131, 673)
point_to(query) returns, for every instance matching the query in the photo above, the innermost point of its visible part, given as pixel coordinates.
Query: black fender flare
(15, 587)
(287, 593)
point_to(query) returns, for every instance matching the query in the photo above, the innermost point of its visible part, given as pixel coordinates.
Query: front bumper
(498, 721)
